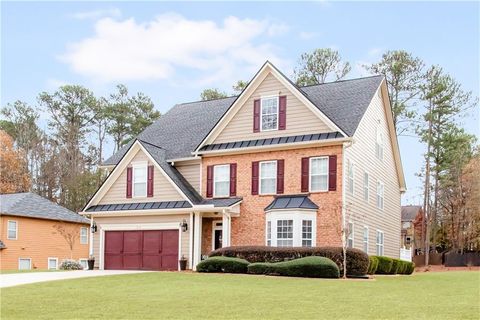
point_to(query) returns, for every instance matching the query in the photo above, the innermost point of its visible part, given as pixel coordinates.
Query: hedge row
(313, 267)
(357, 260)
(386, 265)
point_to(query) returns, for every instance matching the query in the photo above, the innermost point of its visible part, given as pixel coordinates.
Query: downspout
(345, 145)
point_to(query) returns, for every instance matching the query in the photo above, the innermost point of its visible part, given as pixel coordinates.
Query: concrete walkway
(16, 279)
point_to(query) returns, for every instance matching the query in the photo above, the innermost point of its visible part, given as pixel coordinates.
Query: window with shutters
(366, 185)
(221, 180)
(380, 195)
(290, 229)
(379, 144)
(268, 177)
(379, 243)
(318, 174)
(269, 113)
(139, 179)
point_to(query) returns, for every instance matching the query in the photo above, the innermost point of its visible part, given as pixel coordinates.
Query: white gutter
(345, 145)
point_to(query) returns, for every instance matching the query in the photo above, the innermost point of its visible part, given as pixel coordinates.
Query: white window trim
(260, 177)
(382, 195)
(351, 179)
(48, 263)
(29, 259)
(261, 112)
(310, 174)
(86, 235)
(16, 230)
(351, 234)
(86, 262)
(297, 217)
(228, 179)
(368, 240)
(377, 244)
(216, 225)
(366, 187)
(144, 165)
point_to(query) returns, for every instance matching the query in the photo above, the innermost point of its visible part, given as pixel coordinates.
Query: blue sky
(171, 51)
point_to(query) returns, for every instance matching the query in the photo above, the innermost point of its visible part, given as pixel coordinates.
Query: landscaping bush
(384, 265)
(373, 264)
(395, 266)
(410, 267)
(70, 265)
(311, 267)
(357, 260)
(223, 264)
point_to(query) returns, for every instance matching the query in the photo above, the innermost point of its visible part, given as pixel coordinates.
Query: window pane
(12, 230)
(319, 166)
(285, 233)
(269, 122)
(83, 263)
(306, 233)
(269, 113)
(268, 177)
(221, 177)
(222, 189)
(319, 183)
(222, 173)
(268, 186)
(52, 264)
(24, 264)
(140, 174)
(140, 189)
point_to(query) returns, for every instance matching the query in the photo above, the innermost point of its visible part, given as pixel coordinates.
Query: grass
(447, 295)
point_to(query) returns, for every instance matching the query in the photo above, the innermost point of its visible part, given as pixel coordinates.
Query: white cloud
(305, 35)
(129, 50)
(54, 84)
(96, 14)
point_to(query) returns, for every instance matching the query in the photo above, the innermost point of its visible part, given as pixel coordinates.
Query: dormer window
(269, 113)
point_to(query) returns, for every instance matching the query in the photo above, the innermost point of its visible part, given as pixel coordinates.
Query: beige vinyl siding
(185, 236)
(300, 120)
(163, 190)
(362, 153)
(191, 172)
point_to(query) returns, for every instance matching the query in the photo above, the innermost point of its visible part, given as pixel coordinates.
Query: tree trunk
(426, 200)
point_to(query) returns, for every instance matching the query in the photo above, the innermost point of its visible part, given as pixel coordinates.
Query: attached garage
(141, 250)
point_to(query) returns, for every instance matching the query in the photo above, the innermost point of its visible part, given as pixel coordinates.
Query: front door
(217, 239)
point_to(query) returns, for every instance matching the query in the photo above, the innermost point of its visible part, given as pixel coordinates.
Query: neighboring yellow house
(34, 233)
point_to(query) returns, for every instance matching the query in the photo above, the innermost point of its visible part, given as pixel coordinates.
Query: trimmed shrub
(373, 264)
(409, 267)
(357, 260)
(401, 266)
(69, 264)
(223, 264)
(384, 265)
(312, 267)
(395, 266)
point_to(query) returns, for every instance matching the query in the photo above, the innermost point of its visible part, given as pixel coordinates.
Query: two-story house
(278, 165)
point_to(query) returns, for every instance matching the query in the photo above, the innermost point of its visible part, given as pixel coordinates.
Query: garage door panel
(147, 250)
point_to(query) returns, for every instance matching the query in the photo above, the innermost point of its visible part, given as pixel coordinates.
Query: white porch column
(197, 239)
(226, 226)
(90, 244)
(190, 241)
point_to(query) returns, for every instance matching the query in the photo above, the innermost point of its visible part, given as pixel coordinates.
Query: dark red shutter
(233, 179)
(280, 175)
(150, 181)
(332, 173)
(256, 115)
(129, 182)
(282, 113)
(305, 173)
(209, 181)
(255, 178)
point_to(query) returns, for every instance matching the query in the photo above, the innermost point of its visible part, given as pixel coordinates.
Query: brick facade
(249, 227)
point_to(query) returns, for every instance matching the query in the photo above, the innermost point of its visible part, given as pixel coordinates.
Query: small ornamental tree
(69, 232)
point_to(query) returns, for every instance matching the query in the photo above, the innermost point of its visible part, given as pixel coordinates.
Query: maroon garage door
(147, 250)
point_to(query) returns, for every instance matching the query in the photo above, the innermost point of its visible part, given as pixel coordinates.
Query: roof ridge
(344, 80)
(197, 101)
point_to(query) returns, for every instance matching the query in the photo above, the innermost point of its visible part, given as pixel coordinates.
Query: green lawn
(449, 295)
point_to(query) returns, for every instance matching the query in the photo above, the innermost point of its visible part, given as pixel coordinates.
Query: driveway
(16, 279)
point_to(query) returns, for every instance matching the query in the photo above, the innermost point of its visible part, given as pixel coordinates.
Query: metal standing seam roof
(272, 141)
(291, 202)
(31, 205)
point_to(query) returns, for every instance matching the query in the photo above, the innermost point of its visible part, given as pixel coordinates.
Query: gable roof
(409, 213)
(179, 131)
(31, 205)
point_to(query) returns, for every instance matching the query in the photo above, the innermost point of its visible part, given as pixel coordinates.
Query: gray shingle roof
(409, 213)
(291, 202)
(225, 202)
(31, 205)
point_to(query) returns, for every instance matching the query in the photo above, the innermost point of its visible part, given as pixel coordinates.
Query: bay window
(319, 174)
(221, 183)
(291, 229)
(268, 177)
